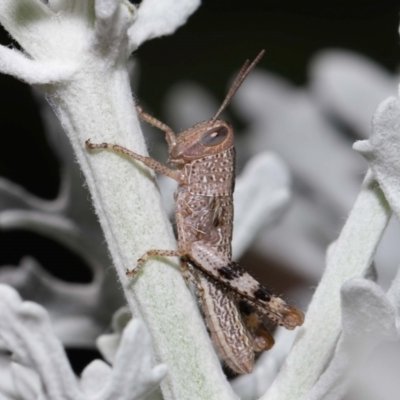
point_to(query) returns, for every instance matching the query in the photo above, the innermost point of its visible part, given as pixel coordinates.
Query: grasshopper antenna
(245, 70)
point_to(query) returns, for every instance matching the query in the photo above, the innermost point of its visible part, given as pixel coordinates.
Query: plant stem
(98, 105)
(350, 257)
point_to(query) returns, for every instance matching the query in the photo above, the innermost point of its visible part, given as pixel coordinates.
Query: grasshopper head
(202, 140)
(209, 137)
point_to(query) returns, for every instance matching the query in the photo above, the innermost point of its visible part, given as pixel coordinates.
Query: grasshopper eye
(215, 136)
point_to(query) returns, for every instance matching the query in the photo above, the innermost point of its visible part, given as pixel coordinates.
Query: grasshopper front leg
(156, 166)
(148, 161)
(169, 133)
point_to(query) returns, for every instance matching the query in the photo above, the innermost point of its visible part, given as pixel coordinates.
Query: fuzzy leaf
(382, 150)
(94, 378)
(157, 18)
(350, 86)
(132, 380)
(350, 257)
(261, 196)
(26, 330)
(27, 382)
(252, 386)
(368, 317)
(114, 18)
(15, 63)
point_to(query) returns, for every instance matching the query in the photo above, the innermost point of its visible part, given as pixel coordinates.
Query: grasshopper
(236, 307)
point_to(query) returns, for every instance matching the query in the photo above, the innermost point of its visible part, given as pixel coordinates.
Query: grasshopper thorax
(201, 140)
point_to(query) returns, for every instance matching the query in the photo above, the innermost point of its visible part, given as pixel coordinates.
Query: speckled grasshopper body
(236, 307)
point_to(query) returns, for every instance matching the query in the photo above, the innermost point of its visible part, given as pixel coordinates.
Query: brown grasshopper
(235, 305)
